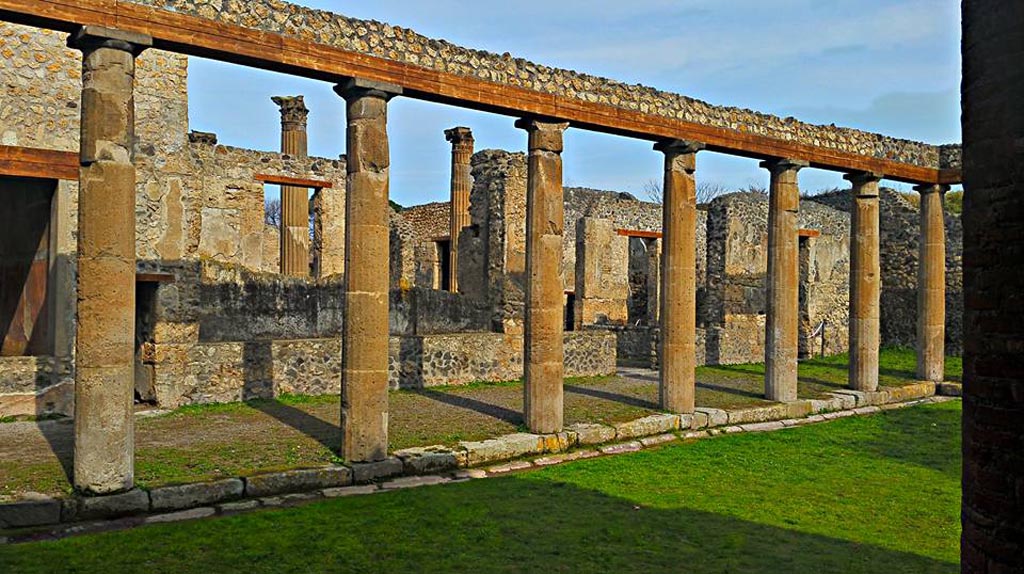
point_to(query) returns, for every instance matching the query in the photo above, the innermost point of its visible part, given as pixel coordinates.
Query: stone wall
(900, 234)
(406, 46)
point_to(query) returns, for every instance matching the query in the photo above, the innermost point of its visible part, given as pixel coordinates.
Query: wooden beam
(231, 43)
(39, 163)
(294, 181)
(155, 278)
(641, 234)
(808, 233)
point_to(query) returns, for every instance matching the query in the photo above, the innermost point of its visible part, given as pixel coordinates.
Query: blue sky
(890, 66)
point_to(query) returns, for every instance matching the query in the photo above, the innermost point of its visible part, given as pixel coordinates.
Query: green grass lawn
(867, 494)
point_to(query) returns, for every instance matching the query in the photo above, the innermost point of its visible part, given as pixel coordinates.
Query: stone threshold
(44, 518)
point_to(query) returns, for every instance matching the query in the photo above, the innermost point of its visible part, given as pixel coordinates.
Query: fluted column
(364, 377)
(679, 276)
(105, 343)
(865, 281)
(294, 200)
(782, 329)
(544, 353)
(462, 184)
(931, 286)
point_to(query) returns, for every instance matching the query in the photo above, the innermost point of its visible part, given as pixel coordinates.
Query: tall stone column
(865, 282)
(679, 276)
(462, 184)
(783, 321)
(545, 221)
(364, 377)
(105, 343)
(931, 285)
(294, 200)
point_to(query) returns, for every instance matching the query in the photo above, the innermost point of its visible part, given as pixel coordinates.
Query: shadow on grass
(496, 411)
(514, 524)
(610, 396)
(731, 390)
(929, 438)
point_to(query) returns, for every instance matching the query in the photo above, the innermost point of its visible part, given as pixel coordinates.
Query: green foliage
(395, 207)
(866, 494)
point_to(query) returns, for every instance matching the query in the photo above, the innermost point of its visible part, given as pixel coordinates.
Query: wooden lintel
(40, 163)
(202, 37)
(809, 233)
(155, 278)
(641, 234)
(293, 181)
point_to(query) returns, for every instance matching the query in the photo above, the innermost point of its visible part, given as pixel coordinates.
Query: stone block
(949, 389)
(509, 467)
(413, 482)
(365, 472)
(502, 448)
(696, 435)
(240, 506)
(759, 414)
(191, 514)
(592, 433)
(103, 507)
(845, 401)
(763, 427)
(349, 491)
(716, 417)
(826, 405)
(297, 480)
(559, 442)
(647, 426)
(698, 420)
(658, 439)
(193, 495)
(798, 409)
(430, 459)
(38, 511)
(621, 447)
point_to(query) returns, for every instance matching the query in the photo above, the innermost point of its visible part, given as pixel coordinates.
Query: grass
(866, 494)
(207, 442)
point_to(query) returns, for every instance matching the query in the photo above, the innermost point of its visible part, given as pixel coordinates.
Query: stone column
(544, 353)
(931, 286)
(679, 276)
(294, 200)
(783, 321)
(364, 378)
(105, 343)
(865, 282)
(462, 184)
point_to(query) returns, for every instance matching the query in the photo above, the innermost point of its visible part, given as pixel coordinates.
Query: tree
(706, 191)
(272, 213)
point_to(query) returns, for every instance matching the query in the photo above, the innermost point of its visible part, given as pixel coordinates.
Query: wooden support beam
(641, 234)
(196, 36)
(39, 163)
(294, 181)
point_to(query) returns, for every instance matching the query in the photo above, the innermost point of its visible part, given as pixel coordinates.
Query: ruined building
(229, 308)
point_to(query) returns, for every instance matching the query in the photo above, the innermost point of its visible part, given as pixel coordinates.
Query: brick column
(782, 329)
(544, 353)
(865, 281)
(993, 256)
(462, 184)
(294, 200)
(679, 276)
(931, 286)
(364, 377)
(105, 343)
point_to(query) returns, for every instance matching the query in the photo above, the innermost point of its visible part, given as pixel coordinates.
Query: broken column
(545, 216)
(105, 343)
(294, 200)
(462, 184)
(783, 281)
(679, 276)
(931, 285)
(364, 378)
(865, 282)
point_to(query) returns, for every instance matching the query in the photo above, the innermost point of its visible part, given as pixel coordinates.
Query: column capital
(90, 38)
(858, 178)
(545, 135)
(680, 155)
(353, 88)
(925, 188)
(778, 165)
(459, 135)
(293, 112)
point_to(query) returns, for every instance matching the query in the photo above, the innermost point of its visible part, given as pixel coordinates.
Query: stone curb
(438, 464)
